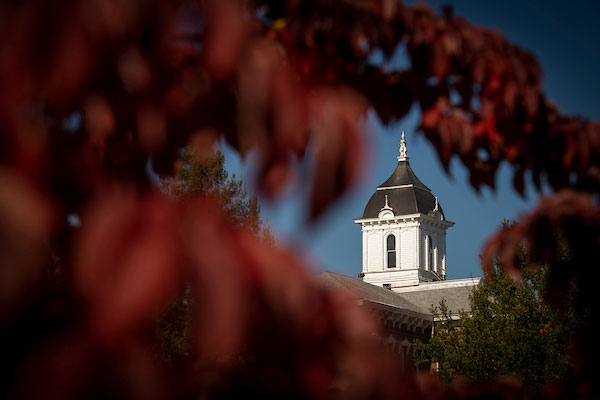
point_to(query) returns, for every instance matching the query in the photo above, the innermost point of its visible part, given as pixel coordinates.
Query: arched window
(391, 251)
(428, 253)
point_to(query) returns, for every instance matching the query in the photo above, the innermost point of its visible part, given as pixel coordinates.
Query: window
(391, 251)
(428, 253)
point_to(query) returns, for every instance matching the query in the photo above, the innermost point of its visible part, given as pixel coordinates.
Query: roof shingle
(406, 194)
(419, 299)
(366, 291)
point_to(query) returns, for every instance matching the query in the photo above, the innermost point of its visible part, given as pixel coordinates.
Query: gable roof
(365, 291)
(416, 299)
(454, 292)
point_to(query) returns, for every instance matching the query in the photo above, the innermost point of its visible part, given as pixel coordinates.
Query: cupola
(404, 231)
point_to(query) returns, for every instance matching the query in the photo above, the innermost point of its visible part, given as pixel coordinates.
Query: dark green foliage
(511, 330)
(208, 177)
(203, 177)
(173, 331)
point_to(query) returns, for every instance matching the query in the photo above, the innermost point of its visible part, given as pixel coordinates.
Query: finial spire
(387, 206)
(403, 151)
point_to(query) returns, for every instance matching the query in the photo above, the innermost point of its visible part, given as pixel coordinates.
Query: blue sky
(564, 37)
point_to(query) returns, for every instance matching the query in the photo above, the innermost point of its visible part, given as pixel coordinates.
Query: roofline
(406, 216)
(416, 216)
(424, 286)
(400, 309)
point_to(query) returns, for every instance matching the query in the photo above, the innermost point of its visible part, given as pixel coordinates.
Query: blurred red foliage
(95, 93)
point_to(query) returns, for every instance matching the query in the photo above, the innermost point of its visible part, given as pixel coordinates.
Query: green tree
(511, 329)
(174, 330)
(200, 176)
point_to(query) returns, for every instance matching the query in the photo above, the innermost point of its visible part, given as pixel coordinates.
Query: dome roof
(406, 194)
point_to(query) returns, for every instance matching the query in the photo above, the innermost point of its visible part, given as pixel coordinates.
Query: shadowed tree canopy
(197, 177)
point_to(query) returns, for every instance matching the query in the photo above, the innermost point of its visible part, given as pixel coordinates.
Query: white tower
(403, 231)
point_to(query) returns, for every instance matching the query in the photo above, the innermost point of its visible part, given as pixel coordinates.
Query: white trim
(439, 285)
(406, 218)
(391, 270)
(396, 218)
(395, 187)
(385, 214)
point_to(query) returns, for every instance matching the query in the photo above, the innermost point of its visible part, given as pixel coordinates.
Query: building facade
(403, 231)
(404, 262)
